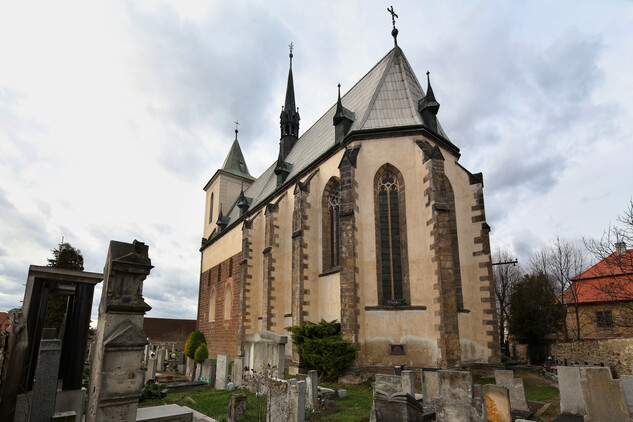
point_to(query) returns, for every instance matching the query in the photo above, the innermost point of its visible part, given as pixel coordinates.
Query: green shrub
(201, 353)
(194, 341)
(151, 391)
(322, 347)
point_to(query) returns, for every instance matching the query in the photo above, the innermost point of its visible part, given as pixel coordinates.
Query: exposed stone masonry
(270, 243)
(445, 254)
(245, 318)
(348, 258)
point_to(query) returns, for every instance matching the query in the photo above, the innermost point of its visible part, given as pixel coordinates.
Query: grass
(213, 403)
(355, 407)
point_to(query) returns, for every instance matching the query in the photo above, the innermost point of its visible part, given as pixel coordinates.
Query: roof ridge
(412, 103)
(379, 86)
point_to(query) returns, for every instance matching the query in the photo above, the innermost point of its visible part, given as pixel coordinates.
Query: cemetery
(133, 380)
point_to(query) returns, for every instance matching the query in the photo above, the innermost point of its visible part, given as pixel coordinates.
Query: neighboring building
(366, 218)
(5, 322)
(604, 294)
(166, 332)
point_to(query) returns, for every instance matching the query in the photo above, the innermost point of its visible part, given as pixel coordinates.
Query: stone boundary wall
(617, 353)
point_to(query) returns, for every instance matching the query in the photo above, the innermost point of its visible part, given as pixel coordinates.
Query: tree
(195, 340)
(322, 347)
(559, 263)
(611, 248)
(534, 313)
(505, 277)
(69, 258)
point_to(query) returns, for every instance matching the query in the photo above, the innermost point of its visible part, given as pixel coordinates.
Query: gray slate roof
(385, 98)
(235, 163)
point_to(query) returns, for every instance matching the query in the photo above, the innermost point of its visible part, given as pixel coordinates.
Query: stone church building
(367, 218)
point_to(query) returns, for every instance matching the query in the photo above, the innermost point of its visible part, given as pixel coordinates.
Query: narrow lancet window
(331, 226)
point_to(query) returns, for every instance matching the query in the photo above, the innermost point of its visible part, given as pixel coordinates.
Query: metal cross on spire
(393, 16)
(236, 124)
(394, 31)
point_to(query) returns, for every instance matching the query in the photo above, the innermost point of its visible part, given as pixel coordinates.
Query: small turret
(428, 107)
(342, 120)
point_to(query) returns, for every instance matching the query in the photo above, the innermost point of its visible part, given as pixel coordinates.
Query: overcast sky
(114, 115)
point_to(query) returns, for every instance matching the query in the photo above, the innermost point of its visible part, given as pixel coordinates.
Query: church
(367, 218)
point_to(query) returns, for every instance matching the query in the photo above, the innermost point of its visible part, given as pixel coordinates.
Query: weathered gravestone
(297, 399)
(189, 368)
(392, 384)
(571, 401)
(399, 407)
(312, 389)
(515, 388)
(603, 396)
(116, 378)
(238, 371)
(265, 348)
(237, 408)
(456, 401)
(222, 372)
(151, 369)
(430, 385)
(627, 386)
(45, 385)
(207, 372)
(497, 403)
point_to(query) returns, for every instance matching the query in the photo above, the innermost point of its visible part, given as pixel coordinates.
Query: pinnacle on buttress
(289, 118)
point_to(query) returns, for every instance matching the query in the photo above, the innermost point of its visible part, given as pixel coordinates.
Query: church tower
(224, 189)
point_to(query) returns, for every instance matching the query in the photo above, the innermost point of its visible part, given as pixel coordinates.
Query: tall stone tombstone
(151, 369)
(505, 378)
(603, 396)
(456, 401)
(266, 348)
(222, 372)
(238, 371)
(116, 378)
(312, 389)
(571, 401)
(45, 385)
(430, 385)
(627, 386)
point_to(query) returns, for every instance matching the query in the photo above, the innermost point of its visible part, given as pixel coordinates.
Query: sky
(114, 115)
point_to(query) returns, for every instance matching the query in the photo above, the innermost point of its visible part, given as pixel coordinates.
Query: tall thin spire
(428, 106)
(289, 118)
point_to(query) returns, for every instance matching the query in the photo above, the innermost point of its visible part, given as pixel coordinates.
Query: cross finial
(236, 124)
(394, 31)
(393, 16)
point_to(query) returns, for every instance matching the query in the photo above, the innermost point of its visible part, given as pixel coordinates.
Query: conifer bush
(322, 347)
(201, 353)
(194, 341)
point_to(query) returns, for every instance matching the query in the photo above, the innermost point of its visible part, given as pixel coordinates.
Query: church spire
(235, 162)
(289, 118)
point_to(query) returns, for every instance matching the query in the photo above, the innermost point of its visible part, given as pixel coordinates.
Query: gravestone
(392, 384)
(456, 401)
(162, 355)
(189, 368)
(45, 385)
(571, 400)
(116, 379)
(399, 407)
(515, 388)
(198, 372)
(312, 389)
(238, 371)
(222, 372)
(146, 353)
(207, 371)
(603, 396)
(430, 385)
(627, 386)
(497, 403)
(237, 408)
(265, 348)
(297, 399)
(151, 369)
(278, 403)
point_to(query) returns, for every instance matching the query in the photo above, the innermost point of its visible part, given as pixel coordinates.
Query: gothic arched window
(211, 209)
(331, 207)
(391, 242)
